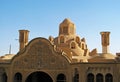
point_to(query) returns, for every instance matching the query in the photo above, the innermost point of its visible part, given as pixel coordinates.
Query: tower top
(67, 21)
(105, 38)
(105, 41)
(105, 32)
(67, 27)
(23, 30)
(23, 38)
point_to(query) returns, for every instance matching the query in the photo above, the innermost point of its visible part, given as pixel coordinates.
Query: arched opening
(99, 78)
(90, 77)
(108, 78)
(4, 77)
(73, 45)
(61, 78)
(62, 39)
(39, 77)
(77, 39)
(76, 78)
(18, 77)
(65, 30)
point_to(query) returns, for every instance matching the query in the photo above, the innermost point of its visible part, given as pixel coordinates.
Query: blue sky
(42, 19)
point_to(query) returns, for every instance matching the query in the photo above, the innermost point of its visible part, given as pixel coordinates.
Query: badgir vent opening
(65, 58)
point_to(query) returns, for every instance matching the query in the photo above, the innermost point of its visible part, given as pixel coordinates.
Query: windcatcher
(105, 41)
(23, 38)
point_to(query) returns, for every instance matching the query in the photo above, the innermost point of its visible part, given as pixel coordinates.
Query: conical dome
(67, 21)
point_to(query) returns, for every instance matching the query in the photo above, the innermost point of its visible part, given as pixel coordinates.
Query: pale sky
(42, 19)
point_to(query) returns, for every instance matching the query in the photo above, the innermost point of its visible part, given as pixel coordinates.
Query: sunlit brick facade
(65, 58)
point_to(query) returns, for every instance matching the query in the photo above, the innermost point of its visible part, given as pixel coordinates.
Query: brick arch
(4, 77)
(61, 78)
(90, 77)
(39, 76)
(108, 77)
(99, 77)
(17, 77)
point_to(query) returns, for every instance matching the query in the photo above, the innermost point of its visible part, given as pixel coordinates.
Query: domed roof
(103, 57)
(67, 21)
(108, 56)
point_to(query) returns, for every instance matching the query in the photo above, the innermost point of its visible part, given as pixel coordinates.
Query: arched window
(18, 77)
(76, 78)
(65, 30)
(108, 78)
(73, 45)
(61, 78)
(62, 39)
(90, 77)
(99, 78)
(77, 39)
(4, 77)
(76, 75)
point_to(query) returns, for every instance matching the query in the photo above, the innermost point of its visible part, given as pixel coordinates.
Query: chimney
(23, 38)
(105, 41)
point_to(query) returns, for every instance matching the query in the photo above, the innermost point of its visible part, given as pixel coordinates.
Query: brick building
(65, 58)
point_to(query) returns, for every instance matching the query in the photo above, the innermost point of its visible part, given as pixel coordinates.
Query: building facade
(65, 58)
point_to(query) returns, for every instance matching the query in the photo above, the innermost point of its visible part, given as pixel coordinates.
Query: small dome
(108, 56)
(103, 57)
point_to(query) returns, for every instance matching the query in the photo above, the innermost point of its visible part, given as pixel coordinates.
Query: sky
(42, 19)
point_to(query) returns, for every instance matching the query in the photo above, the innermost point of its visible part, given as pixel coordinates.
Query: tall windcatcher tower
(23, 38)
(105, 41)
